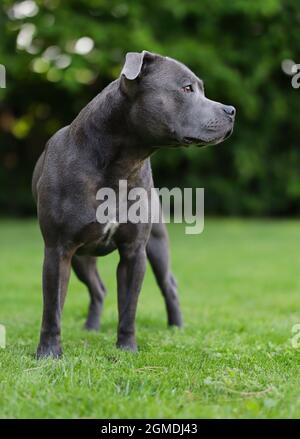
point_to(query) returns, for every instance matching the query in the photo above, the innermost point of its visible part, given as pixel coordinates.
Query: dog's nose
(229, 109)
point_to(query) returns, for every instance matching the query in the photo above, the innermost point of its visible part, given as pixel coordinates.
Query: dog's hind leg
(56, 273)
(86, 270)
(158, 255)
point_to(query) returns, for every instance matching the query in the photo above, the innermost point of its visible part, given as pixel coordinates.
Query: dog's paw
(92, 325)
(175, 320)
(127, 345)
(48, 351)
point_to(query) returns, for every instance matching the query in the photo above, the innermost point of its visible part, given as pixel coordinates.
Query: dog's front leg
(130, 275)
(56, 272)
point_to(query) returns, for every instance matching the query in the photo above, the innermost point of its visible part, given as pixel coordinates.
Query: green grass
(240, 294)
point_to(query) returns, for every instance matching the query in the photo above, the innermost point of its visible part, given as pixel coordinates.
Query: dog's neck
(104, 130)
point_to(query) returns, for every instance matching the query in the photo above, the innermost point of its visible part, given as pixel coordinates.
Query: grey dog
(156, 102)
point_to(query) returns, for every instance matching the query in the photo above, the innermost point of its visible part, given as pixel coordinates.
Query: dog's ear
(134, 64)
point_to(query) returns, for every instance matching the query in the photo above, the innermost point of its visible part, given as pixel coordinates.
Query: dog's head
(168, 105)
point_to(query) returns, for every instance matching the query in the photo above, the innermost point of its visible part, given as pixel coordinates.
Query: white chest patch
(109, 230)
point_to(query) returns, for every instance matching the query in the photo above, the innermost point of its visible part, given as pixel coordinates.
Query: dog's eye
(188, 88)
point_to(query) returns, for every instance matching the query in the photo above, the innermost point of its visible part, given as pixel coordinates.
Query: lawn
(240, 294)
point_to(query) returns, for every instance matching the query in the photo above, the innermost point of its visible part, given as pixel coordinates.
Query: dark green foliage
(237, 48)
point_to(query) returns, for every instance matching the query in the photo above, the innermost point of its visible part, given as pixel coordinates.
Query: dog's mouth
(201, 142)
(228, 133)
(193, 140)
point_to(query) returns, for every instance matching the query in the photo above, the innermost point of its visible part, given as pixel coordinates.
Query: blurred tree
(58, 55)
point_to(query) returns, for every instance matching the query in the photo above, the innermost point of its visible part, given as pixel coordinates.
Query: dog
(156, 102)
